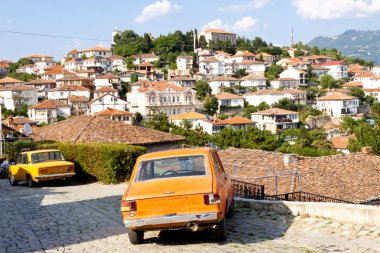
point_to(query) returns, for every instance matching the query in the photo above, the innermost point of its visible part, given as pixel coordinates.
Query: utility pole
(292, 38)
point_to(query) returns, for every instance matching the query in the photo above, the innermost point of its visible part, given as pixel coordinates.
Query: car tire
(12, 180)
(231, 210)
(221, 231)
(136, 236)
(29, 181)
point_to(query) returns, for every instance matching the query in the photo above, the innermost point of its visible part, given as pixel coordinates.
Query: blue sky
(270, 19)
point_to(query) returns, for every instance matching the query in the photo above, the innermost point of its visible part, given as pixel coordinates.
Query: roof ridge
(84, 128)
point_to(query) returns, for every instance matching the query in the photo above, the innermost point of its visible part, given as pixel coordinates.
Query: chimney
(10, 120)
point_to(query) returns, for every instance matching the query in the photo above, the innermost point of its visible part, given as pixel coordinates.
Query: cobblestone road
(86, 218)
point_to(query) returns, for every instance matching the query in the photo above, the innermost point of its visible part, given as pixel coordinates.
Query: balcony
(283, 120)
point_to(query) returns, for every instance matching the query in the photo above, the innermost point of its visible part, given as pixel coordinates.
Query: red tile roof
(74, 78)
(98, 48)
(238, 121)
(162, 86)
(333, 63)
(253, 77)
(112, 111)
(93, 129)
(9, 80)
(336, 96)
(108, 76)
(70, 88)
(40, 81)
(217, 31)
(17, 88)
(146, 64)
(50, 104)
(227, 95)
(105, 89)
(274, 111)
(57, 70)
(353, 84)
(224, 78)
(78, 99)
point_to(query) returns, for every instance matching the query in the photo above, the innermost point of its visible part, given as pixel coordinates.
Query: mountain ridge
(363, 44)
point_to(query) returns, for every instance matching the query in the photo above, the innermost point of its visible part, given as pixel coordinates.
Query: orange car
(178, 189)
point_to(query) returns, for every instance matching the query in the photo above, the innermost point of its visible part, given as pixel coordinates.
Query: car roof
(39, 151)
(174, 152)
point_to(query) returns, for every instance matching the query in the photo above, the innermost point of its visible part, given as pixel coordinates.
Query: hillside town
(201, 89)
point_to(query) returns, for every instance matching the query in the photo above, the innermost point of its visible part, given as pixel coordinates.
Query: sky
(88, 23)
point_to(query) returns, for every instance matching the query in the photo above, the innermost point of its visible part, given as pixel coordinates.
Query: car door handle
(169, 192)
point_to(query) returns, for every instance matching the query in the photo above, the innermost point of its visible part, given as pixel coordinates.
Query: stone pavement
(86, 218)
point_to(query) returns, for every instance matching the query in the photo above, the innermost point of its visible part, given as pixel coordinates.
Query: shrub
(108, 163)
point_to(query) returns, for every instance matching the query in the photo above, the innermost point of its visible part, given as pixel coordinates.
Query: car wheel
(136, 236)
(231, 210)
(221, 231)
(12, 180)
(29, 181)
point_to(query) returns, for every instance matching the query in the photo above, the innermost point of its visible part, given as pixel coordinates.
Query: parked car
(178, 189)
(40, 165)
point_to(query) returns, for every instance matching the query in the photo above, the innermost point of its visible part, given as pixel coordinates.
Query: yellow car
(40, 165)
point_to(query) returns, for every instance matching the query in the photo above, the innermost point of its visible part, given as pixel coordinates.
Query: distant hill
(360, 44)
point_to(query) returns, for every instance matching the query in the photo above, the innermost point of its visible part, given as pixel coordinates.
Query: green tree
(210, 105)
(21, 62)
(328, 82)
(240, 73)
(23, 76)
(138, 118)
(202, 42)
(134, 77)
(286, 104)
(159, 121)
(203, 89)
(273, 72)
(196, 42)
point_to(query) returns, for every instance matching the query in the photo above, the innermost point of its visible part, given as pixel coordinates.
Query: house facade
(258, 82)
(337, 69)
(106, 101)
(160, 96)
(218, 83)
(117, 115)
(48, 111)
(268, 96)
(17, 95)
(338, 105)
(230, 103)
(275, 119)
(65, 91)
(218, 35)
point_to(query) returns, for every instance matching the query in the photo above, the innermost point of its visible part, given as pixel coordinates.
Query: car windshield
(47, 156)
(183, 166)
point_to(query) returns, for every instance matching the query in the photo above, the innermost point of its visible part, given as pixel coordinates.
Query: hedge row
(108, 163)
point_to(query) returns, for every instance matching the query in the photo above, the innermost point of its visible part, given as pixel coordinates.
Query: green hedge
(108, 163)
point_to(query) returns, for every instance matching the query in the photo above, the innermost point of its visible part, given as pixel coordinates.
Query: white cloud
(253, 4)
(156, 10)
(337, 9)
(245, 24)
(265, 27)
(217, 23)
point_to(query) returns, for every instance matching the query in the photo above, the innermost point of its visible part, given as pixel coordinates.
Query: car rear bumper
(69, 174)
(171, 219)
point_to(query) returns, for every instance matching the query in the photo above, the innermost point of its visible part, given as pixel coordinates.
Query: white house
(296, 96)
(48, 111)
(57, 72)
(118, 62)
(252, 81)
(275, 119)
(218, 35)
(183, 81)
(211, 66)
(78, 105)
(117, 115)
(285, 83)
(145, 58)
(96, 51)
(373, 92)
(40, 57)
(371, 82)
(230, 103)
(319, 71)
(98, 62)
(337, 69)
(252, 67)
(161, 96)
(107, 80)
(187, 116)
(106, 101)
(106, 90)
(218, 83)
(215, 125)
(184, 62)
(16, 95)
(294, 73)
(65, 91)
(268, 96)
(43, 87)
(338, 104)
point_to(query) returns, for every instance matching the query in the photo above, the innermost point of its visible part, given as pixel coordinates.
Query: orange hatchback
(178, 189)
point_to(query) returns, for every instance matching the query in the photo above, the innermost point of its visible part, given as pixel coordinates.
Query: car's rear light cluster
(210, 199)
(69, 168)
(42, 170)
(128, 206)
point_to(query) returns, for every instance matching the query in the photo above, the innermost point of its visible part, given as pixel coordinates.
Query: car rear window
(47, 156)
(184, 166)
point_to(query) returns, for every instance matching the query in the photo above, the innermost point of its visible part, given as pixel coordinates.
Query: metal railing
(248, 190)
(305, 197)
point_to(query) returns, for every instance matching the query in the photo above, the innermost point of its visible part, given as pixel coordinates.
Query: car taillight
(42, 170)
(68, 168)
(128, 206)
(210, 199)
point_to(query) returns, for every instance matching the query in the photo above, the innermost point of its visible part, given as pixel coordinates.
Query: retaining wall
(345, 213)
